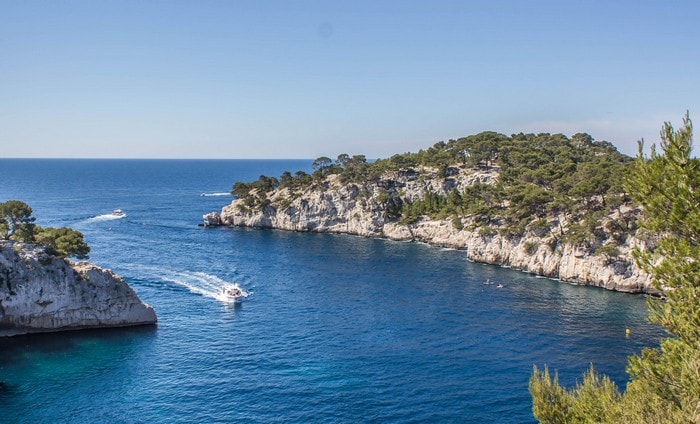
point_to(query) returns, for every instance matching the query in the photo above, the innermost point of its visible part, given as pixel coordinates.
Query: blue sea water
(338, 328)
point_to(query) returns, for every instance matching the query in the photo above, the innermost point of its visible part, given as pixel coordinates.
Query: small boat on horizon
(118, 212)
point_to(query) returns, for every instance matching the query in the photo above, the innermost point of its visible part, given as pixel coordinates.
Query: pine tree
(664, 383)
(16, 221)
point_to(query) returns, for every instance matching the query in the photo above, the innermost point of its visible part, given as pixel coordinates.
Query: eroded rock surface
(41, 293)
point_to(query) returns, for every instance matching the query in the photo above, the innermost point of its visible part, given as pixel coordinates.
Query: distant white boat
(118, 212)
(217, 194)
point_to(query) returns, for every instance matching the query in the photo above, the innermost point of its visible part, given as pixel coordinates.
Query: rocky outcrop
(361, 210)
(42, 293)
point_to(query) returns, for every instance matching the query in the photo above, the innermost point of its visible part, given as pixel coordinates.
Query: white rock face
(354, 209)
(40, 293)
(212, 219)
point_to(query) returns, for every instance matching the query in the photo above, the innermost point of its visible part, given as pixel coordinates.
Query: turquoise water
(338, 328)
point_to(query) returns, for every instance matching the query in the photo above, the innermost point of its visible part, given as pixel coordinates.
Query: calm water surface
(338, 329)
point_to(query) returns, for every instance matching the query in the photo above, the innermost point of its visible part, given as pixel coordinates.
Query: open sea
(337, 329)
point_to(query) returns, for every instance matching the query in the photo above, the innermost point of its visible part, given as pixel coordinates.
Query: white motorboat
(232, 293)
(118, 212)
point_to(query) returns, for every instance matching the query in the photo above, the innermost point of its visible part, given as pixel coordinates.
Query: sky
(304, 79)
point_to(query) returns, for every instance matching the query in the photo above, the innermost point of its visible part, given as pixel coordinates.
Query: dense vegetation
(539, 176)
(17, 223)
(664, 384)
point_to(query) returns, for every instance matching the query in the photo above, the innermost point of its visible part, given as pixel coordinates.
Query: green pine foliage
(17, 224)
(664, 384)
(16, 221)
(594, 400)
(63, 242)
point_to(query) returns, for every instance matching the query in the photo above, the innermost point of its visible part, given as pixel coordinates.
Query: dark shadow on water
(5, 388)
(13, 348)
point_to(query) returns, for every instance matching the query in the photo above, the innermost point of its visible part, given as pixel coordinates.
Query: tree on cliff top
(17, 223)
(63, 242)
(664, 384)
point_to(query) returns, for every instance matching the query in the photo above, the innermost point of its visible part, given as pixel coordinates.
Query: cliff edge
(43, 293)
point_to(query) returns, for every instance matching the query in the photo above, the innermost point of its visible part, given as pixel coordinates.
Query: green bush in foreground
(664, 384)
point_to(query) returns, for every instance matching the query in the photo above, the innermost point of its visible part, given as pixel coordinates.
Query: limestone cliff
(360, 209)
(41, 293)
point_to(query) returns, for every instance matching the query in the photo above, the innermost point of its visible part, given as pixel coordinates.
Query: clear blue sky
(302, 79)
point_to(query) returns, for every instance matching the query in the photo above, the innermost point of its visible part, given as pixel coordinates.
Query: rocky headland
(542, 203)
(362, 208)
(40, 292)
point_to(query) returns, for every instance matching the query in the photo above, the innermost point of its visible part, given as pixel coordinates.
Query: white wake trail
(105, 217)
(222, 193)
(201, 283)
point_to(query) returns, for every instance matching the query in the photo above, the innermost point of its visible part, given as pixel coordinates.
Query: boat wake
(217, 194)
(199, 283)
(105, 217)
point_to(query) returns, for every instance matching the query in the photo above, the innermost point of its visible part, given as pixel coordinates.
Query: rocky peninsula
(40, 292)
(410, 198)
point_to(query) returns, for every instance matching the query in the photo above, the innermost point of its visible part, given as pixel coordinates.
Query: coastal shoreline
(566, 263)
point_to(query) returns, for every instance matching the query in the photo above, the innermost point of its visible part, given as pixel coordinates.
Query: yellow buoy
(627, 332)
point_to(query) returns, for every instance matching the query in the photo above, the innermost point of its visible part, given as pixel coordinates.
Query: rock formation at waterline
(42, 293)
(361, 209)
